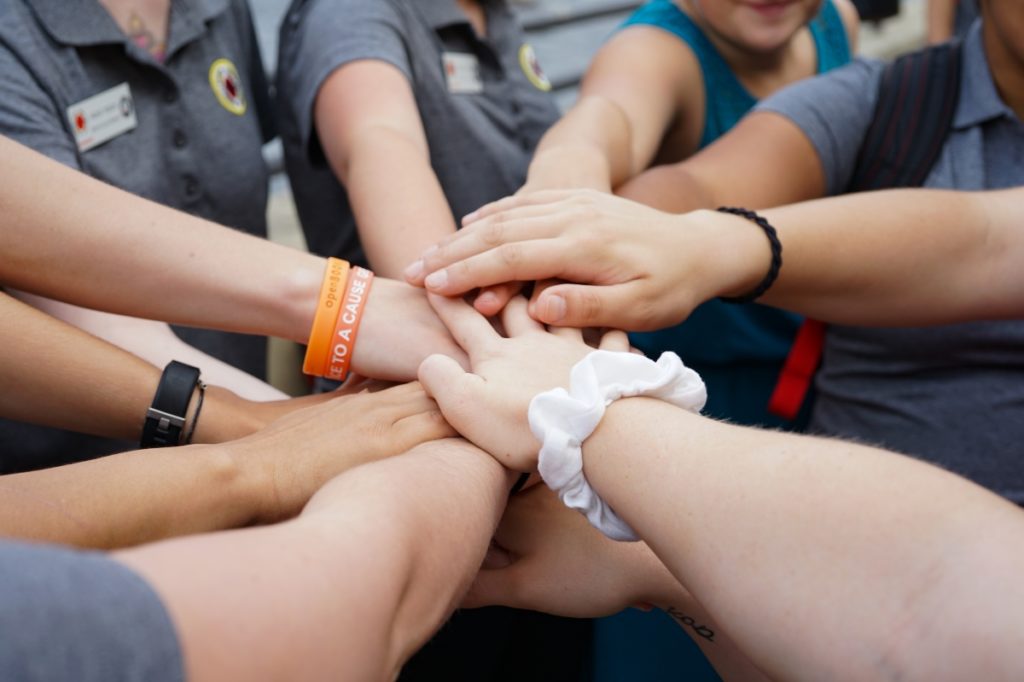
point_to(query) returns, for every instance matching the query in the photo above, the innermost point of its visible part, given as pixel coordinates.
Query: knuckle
(589, 304)
(494, 233)
(511, 255)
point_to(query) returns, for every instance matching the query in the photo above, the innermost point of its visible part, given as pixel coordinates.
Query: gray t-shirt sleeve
(326, 35)
(834, 110)
(72, 615)
(27, 112)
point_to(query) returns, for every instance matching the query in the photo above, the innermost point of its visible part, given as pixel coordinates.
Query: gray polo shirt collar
(81, 23)
(979, 99)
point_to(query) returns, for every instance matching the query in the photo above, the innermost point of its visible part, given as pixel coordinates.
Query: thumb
(583, 305)
(491, 587)
(451, 387)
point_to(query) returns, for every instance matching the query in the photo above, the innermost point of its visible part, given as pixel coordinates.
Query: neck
(1007, 68)
(742, 61)
(477, 17)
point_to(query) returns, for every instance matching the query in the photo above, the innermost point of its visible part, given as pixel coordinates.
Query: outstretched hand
(622, 264)
(488, 405)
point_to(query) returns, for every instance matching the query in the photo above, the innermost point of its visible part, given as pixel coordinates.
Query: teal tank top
(738, 349)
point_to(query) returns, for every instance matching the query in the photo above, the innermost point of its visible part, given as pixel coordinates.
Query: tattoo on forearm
(688, 622)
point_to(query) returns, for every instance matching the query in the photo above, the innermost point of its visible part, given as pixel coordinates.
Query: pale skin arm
(349, 589)
(628, 98)
(898, 257)
(129, 253)
(548, 558)
(156, 343)
(371, 132)
(863, 564)
(69, 379)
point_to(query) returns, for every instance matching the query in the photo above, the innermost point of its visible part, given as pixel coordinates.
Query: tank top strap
(830, 39)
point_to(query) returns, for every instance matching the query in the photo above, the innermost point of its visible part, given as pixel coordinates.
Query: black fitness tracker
(165, 418)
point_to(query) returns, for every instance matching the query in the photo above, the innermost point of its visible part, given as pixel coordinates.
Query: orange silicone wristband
(343, 341)
(327, 309)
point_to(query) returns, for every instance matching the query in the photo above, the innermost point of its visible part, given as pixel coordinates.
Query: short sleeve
(28, 112)
(72, 615)
(320, 36)
(834, 110)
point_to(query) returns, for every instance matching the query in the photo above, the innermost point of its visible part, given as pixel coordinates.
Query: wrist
(297, 297)
(226, 416)
(240, 481)
(737, 254)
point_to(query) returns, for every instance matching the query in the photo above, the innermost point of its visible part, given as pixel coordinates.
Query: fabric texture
(950, 394)
(70, 615)
(739, 350)
(562, 420)
(188, 151)
(480, 143)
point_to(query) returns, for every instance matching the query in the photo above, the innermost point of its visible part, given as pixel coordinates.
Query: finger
(570, 333)
(582, 305)
(470, 329)
(527, 224)
(517, 320)
(456, 391)
(515, 201)
(615, 340)
(492, 299)
(421, 427)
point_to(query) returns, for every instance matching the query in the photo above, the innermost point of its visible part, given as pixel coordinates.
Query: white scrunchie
(561, 420)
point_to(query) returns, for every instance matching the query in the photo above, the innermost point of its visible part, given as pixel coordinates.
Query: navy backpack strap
(917, 99)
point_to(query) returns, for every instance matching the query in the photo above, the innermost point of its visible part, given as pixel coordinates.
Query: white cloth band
(561, 420)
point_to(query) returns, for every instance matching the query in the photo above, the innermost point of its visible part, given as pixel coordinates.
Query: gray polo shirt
(952, 394)
(480, 142)
(199, 133)
(73, 615)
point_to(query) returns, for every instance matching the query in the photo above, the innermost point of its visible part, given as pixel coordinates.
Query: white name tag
(102, 117)
(463, 73)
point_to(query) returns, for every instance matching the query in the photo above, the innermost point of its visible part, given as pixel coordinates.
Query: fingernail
(554, 309)
(414, 270)
(436, 280)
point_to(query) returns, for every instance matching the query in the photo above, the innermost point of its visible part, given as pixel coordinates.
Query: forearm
(399, 205)
(845, 548)
(360, 580)
(156, 343)
(590, 147)
(671, 188)
(162, 257)
(901, 257)
(131, 498)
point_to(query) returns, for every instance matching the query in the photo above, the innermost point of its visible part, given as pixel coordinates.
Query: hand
(556, 562)
(399, 330)
(489, 406)
(625, 265)
(301, 451)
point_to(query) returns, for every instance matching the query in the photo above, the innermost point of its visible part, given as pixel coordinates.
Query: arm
(136, 497)
(129, 253)
(550, 559)
(156, 343)
(850, 553)
(898, 257)
(766, 160)
(941, 15)
(370, 129)
(631, 94)
(359, 581)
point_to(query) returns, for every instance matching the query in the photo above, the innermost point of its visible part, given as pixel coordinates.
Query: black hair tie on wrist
(773, 271)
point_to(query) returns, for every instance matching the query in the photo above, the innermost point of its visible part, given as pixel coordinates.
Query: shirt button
(179, 139)
(170, 96)
(191, 186)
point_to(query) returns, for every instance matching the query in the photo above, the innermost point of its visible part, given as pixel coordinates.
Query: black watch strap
(165, 418)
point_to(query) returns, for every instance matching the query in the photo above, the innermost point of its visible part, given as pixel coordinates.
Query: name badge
(102, 117)
(463, 73)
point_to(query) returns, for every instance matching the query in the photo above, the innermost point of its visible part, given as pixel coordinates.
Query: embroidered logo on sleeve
(227, 86)
(531, 67)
